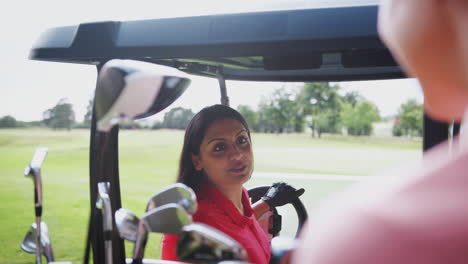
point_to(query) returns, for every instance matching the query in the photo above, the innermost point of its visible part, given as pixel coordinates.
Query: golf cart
(328, 44)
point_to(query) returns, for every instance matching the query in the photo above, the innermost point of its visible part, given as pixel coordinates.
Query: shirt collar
(208, 191)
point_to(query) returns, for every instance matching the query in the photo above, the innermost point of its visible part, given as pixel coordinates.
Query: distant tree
(157, 125)
(410, 116)
(358, 119)
(397, 131)
(265, 120)
(250, 116)
(320, 101)
(89, 114)
(177, 118)
(352, 97)
(8, 121)
(59, 116)
(327, 120)
(298, 122)
(29, 124)
(279, 110)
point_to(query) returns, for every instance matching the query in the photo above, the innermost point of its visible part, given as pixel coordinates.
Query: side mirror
(128, 90)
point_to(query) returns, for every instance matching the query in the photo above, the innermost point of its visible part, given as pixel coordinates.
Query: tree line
(318, 107)
(58, 117)
(315, 107)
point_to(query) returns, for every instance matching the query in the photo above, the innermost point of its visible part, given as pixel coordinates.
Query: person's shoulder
(350, 228)
(383, 219)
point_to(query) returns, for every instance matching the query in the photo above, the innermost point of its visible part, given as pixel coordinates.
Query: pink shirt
(216, 210)
(421, 218)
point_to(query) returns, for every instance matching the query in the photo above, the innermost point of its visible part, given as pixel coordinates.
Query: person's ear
(196, 162)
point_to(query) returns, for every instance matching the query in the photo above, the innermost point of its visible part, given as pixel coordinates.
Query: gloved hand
(281, 193)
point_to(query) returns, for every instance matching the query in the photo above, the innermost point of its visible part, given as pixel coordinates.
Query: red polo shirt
(216, 210)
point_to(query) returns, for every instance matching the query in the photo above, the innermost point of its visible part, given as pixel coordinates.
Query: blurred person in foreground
(422, 218)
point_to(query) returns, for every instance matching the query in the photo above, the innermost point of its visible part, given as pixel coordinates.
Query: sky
(28, 88)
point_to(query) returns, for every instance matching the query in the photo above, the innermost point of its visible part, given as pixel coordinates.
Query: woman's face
(225, 153)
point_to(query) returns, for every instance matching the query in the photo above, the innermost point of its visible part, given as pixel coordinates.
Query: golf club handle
(38, 259)
(37, 192)
(140, 244)
(103, 202)
(108, 217)
(38, 241)
(38, 211)
(107, 226)
(108, 245)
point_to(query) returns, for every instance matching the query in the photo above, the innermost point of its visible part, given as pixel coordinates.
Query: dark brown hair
(194, 134)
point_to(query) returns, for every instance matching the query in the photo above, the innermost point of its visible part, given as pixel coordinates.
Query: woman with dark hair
(216, 161)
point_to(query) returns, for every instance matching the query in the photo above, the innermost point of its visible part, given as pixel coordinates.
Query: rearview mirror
(128, 90)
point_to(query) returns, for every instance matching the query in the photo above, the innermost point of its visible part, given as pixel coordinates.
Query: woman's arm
(260, 208)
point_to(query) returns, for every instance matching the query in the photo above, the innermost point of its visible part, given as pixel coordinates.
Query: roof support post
(222, 86)
(435, 132)
(104, 167)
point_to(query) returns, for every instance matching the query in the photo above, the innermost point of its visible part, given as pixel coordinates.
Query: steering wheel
(256, 194)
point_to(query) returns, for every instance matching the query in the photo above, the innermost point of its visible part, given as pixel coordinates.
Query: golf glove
(281, 193)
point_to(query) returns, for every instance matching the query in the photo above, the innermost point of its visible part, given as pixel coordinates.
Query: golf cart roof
(324, 44)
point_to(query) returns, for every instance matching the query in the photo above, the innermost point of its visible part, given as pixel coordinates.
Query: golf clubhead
(178, 193)
(34, 170)
(103, 203)
(169, 218)
(36, 161)
(127, 224)
(128, 90)
(200, 243)
(29, 243)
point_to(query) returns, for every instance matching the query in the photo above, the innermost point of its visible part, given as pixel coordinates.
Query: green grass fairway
(148, 162)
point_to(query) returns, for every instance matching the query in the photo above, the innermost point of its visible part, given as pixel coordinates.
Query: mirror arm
(222, 86)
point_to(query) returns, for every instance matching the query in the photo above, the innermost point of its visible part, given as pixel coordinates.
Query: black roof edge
(308, 35)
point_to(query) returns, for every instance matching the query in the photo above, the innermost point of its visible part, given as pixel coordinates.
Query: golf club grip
(140, 245)
(37, 193)
(108, 247)
(38, 210)
(38, 241)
